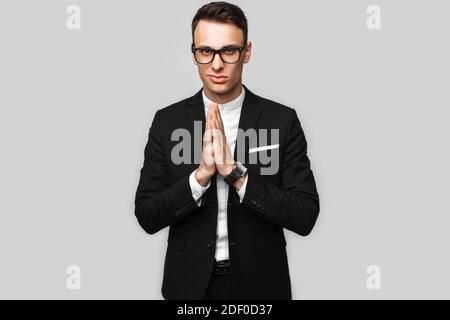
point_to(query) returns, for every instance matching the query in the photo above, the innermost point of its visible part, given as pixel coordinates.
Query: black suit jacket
(257, 246)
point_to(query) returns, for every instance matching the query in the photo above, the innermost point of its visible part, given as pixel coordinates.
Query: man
(226, 217)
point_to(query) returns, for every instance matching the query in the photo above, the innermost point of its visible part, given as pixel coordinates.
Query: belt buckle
(222, 267)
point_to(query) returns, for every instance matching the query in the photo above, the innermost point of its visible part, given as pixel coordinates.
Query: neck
(222, 98)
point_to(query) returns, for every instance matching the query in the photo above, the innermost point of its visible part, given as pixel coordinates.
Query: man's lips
(218, 79)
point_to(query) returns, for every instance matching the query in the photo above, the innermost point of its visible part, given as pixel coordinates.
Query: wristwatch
(239, 171)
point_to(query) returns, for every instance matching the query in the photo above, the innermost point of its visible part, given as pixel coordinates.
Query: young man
(226, 217)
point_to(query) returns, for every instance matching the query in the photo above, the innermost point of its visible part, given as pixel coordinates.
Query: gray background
(76, 106)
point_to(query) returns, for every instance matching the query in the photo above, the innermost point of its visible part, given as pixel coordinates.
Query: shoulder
(275, 109)
(173, 109)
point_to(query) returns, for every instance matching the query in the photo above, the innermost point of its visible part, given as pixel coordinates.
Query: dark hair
(222, 12)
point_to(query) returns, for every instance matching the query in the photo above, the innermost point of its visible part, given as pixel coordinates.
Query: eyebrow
(226, 46)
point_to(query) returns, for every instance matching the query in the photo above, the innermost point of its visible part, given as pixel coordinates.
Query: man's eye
(205, 51)
(230, 50)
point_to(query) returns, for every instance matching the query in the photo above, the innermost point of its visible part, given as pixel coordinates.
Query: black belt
(222, 267)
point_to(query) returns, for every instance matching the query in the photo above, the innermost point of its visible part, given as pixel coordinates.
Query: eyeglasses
(205, 55)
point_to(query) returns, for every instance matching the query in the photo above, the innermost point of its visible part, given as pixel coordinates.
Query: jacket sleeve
(295, 204)
(158, 204)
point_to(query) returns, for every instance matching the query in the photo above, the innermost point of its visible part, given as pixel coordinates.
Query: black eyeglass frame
(218, 51)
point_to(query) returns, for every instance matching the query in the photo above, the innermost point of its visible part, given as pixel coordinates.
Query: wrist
(201, 177)
(228, 169)
(239, 183)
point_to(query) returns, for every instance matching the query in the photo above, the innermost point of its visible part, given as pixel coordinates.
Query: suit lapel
(248, 119)
(249, 116)
(195, 113)
(196, 109)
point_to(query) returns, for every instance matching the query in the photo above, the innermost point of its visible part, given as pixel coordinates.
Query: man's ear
(248, 52)
(192, 55)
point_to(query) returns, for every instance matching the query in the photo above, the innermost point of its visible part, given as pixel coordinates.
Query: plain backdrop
(76, 107)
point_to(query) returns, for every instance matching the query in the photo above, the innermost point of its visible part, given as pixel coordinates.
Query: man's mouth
(218, 79)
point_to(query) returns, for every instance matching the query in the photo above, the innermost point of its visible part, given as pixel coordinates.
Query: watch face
(241, 167)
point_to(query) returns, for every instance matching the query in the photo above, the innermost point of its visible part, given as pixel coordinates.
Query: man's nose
(217, 63)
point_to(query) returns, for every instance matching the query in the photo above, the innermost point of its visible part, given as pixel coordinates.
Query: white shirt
(230, 113)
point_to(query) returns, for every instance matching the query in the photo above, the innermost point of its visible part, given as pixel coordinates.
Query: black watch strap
(238, 171)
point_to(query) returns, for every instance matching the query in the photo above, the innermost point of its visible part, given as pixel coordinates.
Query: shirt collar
(226, 107)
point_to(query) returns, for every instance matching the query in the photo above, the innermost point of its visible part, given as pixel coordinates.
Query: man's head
(220, 25)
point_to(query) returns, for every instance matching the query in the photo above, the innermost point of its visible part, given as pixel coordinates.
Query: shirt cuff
(241, 191)
(196, 188)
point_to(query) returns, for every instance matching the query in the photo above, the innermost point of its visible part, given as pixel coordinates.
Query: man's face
(217, 35)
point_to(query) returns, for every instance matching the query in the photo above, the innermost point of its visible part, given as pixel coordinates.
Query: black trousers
(220, 287)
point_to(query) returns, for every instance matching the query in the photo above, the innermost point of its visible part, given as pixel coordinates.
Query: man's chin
(219, 88)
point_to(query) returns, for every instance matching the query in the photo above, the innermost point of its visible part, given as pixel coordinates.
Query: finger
(216, 124)
(212, 108)
(213, 121)
(219, 117)
(223, 138)
(220, 127)
(218, 134)
(216, 117)
(208, 136)
(209, 120)
(213, 128)
(220, 137)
